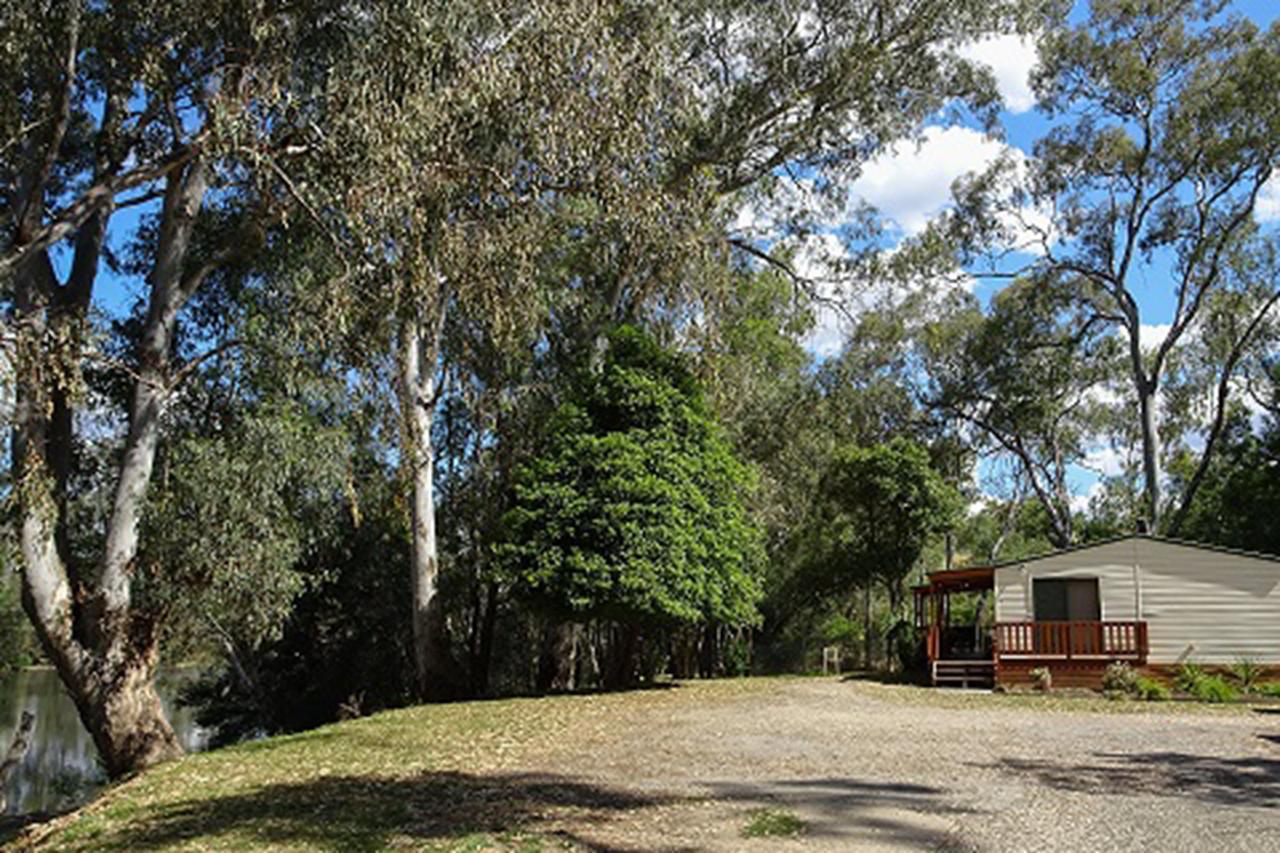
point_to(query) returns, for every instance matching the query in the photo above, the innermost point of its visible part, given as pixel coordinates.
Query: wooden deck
(1076, 653)
(1064, 641)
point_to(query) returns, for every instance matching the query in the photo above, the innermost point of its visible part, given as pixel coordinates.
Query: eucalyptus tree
(1168, 129)
(467, 140)
(190, 116)
(1025, 377)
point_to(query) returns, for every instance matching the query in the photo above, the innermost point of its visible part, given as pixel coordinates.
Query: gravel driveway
(870, 767)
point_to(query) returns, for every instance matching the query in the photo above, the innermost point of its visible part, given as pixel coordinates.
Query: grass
(773, 823)
(1056, 702)
(438, 777)
(446, 777)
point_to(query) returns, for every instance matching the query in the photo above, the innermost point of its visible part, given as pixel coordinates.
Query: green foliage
(1247, 674)
(1194, 680)
(17, 640)
(634, 509)
(232, 515)
(1150, 689)
(1119, 679)
(1188, 675)
(1214, 688)
(774, 823)
(1268, 688)
(1238, 503)
(321, 664)
(878, 508)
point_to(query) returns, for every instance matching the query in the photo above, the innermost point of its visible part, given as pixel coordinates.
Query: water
(61, 768)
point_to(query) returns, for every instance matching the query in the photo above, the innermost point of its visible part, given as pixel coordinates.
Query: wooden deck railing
(1072, 640)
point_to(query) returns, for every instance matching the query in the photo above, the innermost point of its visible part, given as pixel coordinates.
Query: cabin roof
(1202, 546)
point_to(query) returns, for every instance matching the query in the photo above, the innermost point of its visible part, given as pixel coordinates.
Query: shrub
(1269, 688)
(1042, 679)
(1247, 674)
(1188, 675)
(1119, 679)
(1150, 690)
(1213, 688)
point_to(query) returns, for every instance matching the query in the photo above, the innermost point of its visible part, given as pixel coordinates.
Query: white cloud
(1105, 460)
(911, 183)
(1080, 503)
(1151, 335)
(1011, 59)
(1268, 206)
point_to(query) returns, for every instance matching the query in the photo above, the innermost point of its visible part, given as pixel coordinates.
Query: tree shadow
(361, 813)
(1249, 781)
(856, 811)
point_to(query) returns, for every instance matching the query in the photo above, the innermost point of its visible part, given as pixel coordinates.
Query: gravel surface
(871, 767)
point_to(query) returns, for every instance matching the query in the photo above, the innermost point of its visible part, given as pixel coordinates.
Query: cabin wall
(1208, 606)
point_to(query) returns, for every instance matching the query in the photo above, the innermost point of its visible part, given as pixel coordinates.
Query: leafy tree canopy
(634, 508)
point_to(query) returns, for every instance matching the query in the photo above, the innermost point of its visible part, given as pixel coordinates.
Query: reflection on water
(61, 767)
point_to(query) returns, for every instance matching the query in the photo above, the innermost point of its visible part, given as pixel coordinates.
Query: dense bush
(1120, 679)
(634, 509)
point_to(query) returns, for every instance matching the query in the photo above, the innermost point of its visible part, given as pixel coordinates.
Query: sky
(911, 184)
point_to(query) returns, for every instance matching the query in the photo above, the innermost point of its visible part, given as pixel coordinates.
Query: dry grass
(474, 776)
(433, 777)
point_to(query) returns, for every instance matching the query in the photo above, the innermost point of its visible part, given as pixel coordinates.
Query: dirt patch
(869, 767)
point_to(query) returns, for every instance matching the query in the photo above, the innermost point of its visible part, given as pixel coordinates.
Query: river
(61, 768)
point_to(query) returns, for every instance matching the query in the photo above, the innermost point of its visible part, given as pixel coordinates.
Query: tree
(193, 114)
(634, 510)
(1170, 128)
(880, 506)
(1024, 376)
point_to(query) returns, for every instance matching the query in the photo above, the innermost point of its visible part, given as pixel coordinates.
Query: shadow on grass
(1212, 779)
(360, 813)
(354, 813)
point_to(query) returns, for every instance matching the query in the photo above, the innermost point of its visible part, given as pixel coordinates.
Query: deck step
(965, 673)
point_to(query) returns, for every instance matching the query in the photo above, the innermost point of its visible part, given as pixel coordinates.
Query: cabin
(1149, 601)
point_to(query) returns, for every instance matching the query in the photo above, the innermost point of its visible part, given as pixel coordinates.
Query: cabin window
(1066, 599)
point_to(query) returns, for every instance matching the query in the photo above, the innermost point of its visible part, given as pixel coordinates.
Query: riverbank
(60, 770)
(705, 765)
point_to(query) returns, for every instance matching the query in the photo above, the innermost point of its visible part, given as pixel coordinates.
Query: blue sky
(912, 184)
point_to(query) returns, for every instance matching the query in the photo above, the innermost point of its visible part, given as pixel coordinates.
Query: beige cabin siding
(1211, 606)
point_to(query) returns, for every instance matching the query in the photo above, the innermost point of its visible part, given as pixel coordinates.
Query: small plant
(1119, 680)
(771, 823)
(1214, 688)
(1042, 679)
(1188, 676)
(1150, 690)
(1269, 688)
(1247, 674)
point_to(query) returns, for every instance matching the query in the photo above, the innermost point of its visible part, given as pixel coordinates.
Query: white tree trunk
(1149, 416)
(419, 352)
(105, 653)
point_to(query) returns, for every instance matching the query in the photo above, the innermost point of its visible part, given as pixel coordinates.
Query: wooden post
(831, 655)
